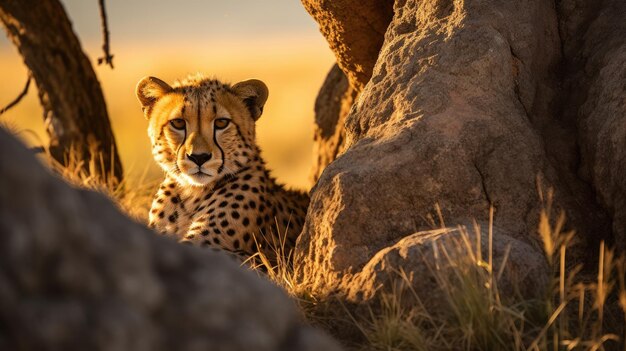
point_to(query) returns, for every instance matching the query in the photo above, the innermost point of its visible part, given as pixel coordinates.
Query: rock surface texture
(470, 104)
(331, 108)
(421, 258)
(75, 274)
(596, 48)
(354, 30)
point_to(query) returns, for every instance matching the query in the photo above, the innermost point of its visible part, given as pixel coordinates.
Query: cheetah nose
(199, 159)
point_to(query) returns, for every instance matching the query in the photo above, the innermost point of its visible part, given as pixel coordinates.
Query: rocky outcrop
(464, 109)
(331, 108)
(354, 30)
(595, 44)
(75, 274)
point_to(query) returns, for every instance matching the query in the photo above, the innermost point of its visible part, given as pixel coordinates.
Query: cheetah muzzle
(217, 191)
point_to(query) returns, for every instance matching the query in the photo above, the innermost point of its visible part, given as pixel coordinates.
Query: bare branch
(19, 97)
(107, 58)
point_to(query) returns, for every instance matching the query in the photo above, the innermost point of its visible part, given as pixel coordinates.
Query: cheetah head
(201, 129)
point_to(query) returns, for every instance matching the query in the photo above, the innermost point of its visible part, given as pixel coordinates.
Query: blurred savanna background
(275, 41)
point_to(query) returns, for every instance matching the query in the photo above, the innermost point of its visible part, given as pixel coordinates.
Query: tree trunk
(75, 112)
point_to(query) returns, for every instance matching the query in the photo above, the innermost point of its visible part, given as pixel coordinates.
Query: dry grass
(133, 197)
(572, 315)
(577, 313)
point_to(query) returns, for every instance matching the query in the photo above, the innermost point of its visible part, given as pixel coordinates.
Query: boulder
(333, 103)
(354, 30)
(597, 81)
(424, 269)
(460, 111)
(76, 274)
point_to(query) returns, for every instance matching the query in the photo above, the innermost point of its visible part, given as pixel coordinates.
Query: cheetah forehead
(199, 82)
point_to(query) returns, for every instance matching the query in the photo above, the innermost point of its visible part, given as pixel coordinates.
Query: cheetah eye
(178, 123)
(222, 123)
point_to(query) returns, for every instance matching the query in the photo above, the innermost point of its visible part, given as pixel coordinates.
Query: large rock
(75, 274)
(597, 81)
(419, 262)
(457, 113)
(332, 105)
(354, 30)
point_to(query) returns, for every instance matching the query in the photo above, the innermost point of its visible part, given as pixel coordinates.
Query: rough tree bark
(75, 112)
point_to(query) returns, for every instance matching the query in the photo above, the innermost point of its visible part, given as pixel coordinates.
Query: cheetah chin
(199, 178)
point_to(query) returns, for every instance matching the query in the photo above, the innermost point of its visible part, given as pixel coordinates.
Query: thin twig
(19, 97)
(107, 58)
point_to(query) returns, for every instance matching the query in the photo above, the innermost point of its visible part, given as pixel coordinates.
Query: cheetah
(217, 191)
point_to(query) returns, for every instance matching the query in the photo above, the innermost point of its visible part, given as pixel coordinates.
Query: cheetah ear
(254, 93)
(149, 90)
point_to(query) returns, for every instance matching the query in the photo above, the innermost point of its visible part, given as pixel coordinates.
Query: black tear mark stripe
(182, 142)
(221, 168)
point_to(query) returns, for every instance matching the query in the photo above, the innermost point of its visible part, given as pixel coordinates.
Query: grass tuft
(132, 197)
(571, 316)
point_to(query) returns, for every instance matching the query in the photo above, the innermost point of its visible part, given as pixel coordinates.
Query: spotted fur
(217, 191)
